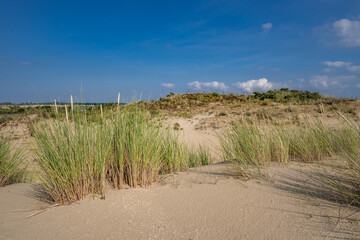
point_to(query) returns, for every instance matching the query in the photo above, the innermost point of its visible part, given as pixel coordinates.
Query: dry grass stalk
(56, 109)
(72, 103)
(341, 115)
(66, 113)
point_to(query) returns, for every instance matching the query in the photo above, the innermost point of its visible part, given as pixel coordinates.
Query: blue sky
(51, 49)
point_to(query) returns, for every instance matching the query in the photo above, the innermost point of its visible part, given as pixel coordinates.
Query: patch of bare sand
(202, 203)
(16, 130)
(194, 134)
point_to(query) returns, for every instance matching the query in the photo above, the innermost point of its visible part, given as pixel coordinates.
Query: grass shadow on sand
(307, 184)
(210, 174)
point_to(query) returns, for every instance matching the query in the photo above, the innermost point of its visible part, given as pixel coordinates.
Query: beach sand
(208, 202)
(202, 203)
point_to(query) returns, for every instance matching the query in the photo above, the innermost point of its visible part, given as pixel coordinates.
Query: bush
(286, 95)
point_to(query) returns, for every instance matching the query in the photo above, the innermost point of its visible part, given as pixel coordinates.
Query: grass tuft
(86, 151)
(10, 162)
(251, 146)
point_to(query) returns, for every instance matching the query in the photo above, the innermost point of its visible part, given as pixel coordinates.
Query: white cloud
(340, 64)
(168, 85)
(336, 63)
(267, 27)
(348, 31)
(261, 84)
(212, 85)
(301, 79)
(325, 82)
(321, 81)
(353, 68)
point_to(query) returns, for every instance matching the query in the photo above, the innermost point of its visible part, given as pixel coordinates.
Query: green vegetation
(250, 145)
(10, 113)
(177, 126)
(344, 177)
(286, 95)
(277, 95)
(85, 149)
(10, 161)
(200, 157)
(189, 103)
(348, 186)
(83, 153)
(12, 110)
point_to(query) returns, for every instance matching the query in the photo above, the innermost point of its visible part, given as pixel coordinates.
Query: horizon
(51, 50)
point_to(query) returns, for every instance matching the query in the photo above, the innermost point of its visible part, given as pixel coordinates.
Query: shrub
(286, 95)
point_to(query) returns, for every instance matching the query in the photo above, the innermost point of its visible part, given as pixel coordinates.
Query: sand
(203, 203)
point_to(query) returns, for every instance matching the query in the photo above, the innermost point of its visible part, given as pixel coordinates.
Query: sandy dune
(203, 203)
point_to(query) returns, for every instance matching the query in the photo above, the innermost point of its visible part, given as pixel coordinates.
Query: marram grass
(251, 146)
(345, 174)
(10, 162)
(85, 152)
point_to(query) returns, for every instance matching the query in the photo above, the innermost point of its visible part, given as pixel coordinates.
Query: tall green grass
(71, 156)
(142, 150)
(86, 151)
(10, 162)
(251, 146)
(246, 146)
(344, 178)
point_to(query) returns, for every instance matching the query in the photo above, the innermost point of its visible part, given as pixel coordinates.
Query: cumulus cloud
(348, 31)
(327, 70)
(261, 84)
(353, 68)
(168, 85)
(267, 27)
(336, 63)
(211, 85)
